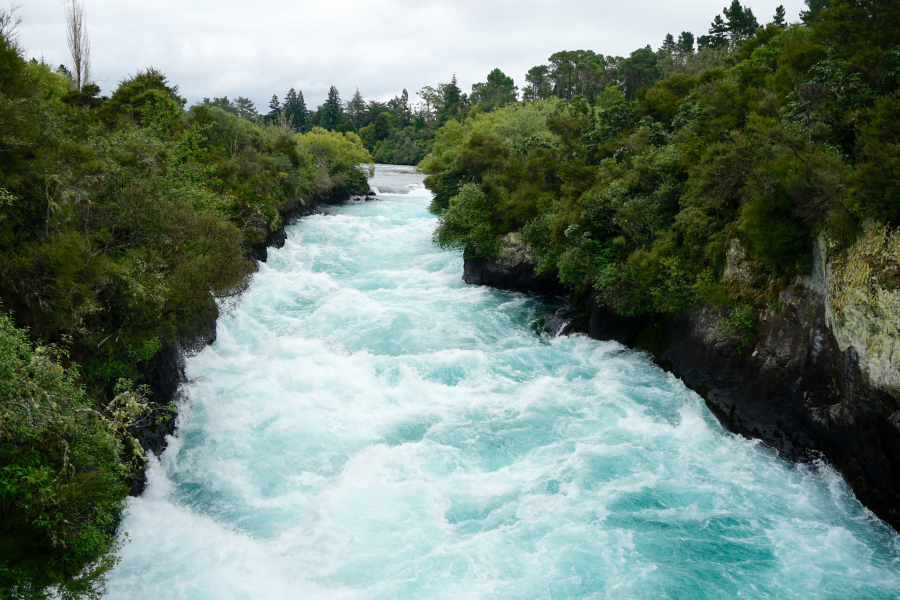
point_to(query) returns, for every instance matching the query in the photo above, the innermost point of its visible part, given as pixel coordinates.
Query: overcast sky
(264, 47)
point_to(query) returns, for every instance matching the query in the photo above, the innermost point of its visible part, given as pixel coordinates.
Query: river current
(368, 426)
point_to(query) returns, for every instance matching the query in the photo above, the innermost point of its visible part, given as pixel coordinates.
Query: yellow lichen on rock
(863, 303)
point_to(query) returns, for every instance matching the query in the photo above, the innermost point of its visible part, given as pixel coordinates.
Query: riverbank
(165, 372)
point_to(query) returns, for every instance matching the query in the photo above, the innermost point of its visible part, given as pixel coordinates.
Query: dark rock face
(512, 269)
(164, 374)
(603, 324)
(275, 239)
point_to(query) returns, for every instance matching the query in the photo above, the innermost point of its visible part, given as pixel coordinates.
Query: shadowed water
(368, 426)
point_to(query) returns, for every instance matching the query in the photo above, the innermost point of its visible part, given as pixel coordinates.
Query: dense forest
(394, 132)
(632, 186)
(120, 218)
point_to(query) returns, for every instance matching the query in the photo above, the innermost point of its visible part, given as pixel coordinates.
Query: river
(368, 426)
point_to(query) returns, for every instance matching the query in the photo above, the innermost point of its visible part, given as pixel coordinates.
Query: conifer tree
(499, 90)
(815, 8)
(331, 112)
(686, 42)
(244, 108)
(274, 106)
(452, 98)
(295, 109)
(668, 46)
(538, 85)
(740, 21)
(356, 109)
(717, 33)
(404, 112)
(778, 19)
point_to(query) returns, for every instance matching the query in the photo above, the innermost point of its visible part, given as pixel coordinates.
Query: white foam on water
(367, 426)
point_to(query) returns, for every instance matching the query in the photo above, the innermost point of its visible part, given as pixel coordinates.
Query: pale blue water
(368, 426)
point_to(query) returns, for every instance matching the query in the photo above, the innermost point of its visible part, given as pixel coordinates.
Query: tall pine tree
(778, 19)
(295, 109)
(356, 109)
(452, 100)
(331, 112)
(668, 46)
(274, 106)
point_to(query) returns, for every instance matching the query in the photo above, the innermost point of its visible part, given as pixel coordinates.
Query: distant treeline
(399, 132)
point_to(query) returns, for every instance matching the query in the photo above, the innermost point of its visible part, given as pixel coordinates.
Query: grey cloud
(260, 48)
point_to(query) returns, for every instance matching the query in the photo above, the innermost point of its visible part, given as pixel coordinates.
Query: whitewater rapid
(368, 426)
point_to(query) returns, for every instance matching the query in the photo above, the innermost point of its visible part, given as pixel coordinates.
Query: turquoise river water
(368, 426)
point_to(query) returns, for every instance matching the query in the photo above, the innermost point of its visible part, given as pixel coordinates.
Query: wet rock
(164, 374)
(513, 268)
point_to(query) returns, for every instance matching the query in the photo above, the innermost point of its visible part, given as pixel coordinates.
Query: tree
(686, 42)
(382, 126)
(432, 99)
(274, 106)
(718, 30)
(400, 109)
(639, 70)
(356, 109)
(740, 21)
(452, 100)
(581, 72)
(778, 19)
(244, 108)
(295, 109)
(669, 46)
(78, 41)
(136, 93)
(539, 87)
(224, 103)
(499, 90)
(815, 9)
(331, 112)
(8, 24)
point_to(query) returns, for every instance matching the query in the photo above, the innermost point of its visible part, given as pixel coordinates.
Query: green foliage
(444, 186)
(62, 466)
(739, 326)
(607, 125)
(771, 135)
(639, 70)
(128, 101)
(876, 179)
(498, 91)
(467, 223)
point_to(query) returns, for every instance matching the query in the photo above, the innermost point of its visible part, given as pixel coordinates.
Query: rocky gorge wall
(821, 376)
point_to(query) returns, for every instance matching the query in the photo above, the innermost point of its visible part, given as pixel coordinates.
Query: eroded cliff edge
(820, 377)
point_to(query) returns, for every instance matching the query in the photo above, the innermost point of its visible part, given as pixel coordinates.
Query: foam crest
(368, 426)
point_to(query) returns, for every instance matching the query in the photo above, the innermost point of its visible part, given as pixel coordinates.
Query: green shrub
(62, 473)
(740, 326)
(467, 223)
